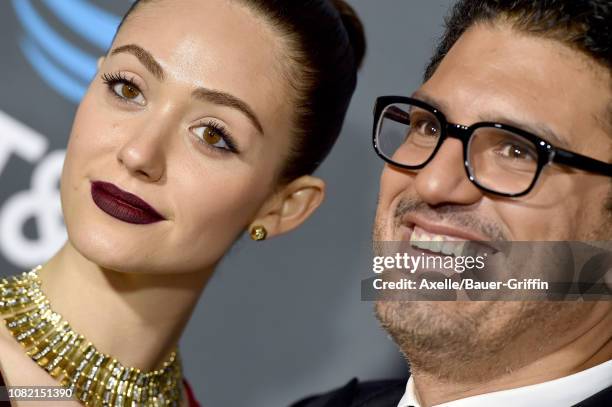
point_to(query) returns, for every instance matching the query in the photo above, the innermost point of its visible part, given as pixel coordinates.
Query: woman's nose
(144, 152)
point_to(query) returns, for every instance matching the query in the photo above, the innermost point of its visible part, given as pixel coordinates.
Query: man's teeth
(444, 244)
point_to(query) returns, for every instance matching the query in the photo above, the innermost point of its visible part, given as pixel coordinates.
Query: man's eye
(426, 128)
(515, 152)
(128, 91)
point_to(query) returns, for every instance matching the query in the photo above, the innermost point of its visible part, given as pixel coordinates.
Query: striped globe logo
(51, 49)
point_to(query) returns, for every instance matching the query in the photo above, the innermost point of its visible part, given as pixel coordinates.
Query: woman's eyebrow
(144, 57)
(225, 99)
(209, 95)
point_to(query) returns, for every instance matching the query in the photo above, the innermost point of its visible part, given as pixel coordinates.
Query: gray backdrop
(279, 320)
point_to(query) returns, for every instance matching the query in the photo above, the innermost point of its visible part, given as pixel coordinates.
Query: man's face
(504, 76)
(494, 73)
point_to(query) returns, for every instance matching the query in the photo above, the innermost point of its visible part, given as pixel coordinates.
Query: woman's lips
(123, 205)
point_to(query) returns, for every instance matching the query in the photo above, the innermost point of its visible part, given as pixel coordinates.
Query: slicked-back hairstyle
(326, 45)
(580, 24)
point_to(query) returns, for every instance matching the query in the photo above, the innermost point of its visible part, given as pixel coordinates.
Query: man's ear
(100, 61)
(289, 207)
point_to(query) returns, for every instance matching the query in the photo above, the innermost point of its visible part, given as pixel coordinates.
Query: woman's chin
(108, 248)
(112, 251)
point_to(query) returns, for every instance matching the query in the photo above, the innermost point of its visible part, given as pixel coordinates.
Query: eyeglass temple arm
(582, 162)
(398, 115)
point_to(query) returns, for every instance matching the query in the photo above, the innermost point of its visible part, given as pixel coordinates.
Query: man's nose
(444, 180)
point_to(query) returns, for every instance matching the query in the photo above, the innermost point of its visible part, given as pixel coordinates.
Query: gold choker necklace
(95, 379)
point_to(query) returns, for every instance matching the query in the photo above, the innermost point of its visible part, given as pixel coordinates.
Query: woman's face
(189, 111)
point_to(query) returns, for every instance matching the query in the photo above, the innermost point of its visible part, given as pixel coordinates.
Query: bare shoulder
(3, 345)
(6, 345)
(17, 367)
(19, 370)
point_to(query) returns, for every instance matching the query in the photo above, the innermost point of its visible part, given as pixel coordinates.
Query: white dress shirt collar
(566, 391)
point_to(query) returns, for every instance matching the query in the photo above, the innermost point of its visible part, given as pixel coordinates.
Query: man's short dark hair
(584, 25)
(581, 24)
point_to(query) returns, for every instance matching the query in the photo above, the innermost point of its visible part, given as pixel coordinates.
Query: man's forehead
(605, 117)
(534, 83)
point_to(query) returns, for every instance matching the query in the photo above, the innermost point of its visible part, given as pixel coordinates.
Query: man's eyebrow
(144, 57)
(539, 129)
(208, 95)
(420, 95)
(225, 99)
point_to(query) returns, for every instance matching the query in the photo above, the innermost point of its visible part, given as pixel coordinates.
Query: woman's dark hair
(326, 46)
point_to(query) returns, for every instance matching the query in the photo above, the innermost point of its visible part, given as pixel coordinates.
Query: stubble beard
(475, 341)
(471, 342)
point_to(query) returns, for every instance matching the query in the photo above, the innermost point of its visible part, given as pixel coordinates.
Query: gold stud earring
(258, 233)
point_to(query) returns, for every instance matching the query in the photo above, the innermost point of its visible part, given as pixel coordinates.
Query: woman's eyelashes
(123, 88)
(213, 135)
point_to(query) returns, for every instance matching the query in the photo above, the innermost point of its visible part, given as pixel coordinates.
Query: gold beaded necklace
(95, 379)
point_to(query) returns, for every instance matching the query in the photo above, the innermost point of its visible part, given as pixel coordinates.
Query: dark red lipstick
(122, 205)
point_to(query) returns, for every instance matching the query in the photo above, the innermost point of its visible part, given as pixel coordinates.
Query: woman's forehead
(209, 34)
(213, 44)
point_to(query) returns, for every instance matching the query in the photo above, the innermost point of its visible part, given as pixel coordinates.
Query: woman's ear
(289, 207)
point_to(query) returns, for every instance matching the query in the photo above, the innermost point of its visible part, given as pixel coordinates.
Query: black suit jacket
(388, 393)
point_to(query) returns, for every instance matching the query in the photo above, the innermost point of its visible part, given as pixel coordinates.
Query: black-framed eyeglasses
(498, 158)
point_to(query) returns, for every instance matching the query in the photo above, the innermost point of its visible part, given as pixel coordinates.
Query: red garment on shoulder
(192, 401)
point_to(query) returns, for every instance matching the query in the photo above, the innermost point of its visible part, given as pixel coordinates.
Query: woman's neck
(135, 318)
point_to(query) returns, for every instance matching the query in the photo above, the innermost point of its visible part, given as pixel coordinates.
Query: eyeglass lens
(498, 159)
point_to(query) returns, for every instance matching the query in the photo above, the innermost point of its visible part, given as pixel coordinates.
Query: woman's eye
(213, 137)
(129, 92)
